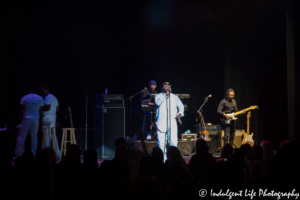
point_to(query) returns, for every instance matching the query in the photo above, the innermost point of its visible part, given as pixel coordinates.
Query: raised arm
(159, 99)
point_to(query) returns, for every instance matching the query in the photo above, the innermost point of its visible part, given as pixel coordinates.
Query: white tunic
(49, 120)
(30, 122)
(32, 103)
(162, 110)
(50, 100)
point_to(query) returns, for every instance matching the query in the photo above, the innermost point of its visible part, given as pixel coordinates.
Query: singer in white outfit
(30, 107)
(162, 114)
(49, 116)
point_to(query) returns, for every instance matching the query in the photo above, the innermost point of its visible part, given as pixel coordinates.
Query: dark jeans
(229, 132)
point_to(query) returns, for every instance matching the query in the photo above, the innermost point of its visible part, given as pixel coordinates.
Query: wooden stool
(52, 136)
(64, 139)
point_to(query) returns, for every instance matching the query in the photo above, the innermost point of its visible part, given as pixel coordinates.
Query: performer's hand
(179, 119)
(151, 104)
(244, 111)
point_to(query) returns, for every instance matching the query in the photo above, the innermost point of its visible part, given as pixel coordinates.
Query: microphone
(208, 96)
(145, 88)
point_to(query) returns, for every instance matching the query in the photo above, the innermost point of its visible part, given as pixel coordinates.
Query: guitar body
(247, 138)
(227, 121)
(205, 134)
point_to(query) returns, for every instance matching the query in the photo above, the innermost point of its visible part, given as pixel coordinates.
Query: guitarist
(226, 106)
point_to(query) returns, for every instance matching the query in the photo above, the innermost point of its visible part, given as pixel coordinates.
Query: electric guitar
(70, 113)
(227, 121)
(204, 132)
(247, 137)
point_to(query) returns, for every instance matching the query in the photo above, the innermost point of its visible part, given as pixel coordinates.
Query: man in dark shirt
(226, 106)
(150, 90)
(148, 102)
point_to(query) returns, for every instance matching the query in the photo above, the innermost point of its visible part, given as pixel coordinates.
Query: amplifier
(212, 129)
(110, 100)
(185, 136)
(109, 125)
(237, 141)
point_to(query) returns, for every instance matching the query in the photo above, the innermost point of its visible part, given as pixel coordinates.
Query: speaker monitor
(185, 136)
(237, 141)
(109, 124)
(211, 129)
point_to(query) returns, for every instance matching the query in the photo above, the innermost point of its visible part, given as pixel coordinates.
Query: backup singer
(162, 113)
(31, 106)
(49, 115)
(226, 106)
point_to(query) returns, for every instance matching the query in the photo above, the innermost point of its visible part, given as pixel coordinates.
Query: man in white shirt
(162, 114)
(49, 115)
(30, 107)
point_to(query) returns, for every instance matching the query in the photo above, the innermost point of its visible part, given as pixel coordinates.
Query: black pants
(229, 132)
(148, 121)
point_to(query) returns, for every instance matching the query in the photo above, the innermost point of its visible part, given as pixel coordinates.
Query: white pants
(162, 138)
(27, 125)
(49, 121)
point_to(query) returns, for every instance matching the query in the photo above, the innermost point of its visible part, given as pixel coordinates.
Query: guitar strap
(234, 104)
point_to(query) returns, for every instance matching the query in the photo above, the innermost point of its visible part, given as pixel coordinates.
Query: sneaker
(148, 137)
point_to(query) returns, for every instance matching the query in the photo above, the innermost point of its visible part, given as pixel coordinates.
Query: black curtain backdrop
(201, 47)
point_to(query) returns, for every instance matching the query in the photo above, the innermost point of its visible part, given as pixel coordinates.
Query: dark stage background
(201, 47)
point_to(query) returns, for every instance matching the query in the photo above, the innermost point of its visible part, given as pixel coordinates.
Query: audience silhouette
(132, 175)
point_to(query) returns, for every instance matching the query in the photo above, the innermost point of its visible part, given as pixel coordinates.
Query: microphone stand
(169, 117)
(168, 124)
(205, 100)
(131, 109)
(86, 119)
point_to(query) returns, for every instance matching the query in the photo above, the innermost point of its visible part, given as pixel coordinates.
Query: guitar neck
(203, 123)
(202, 120)
(71, 121)
(248, 123)
(240, 112)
